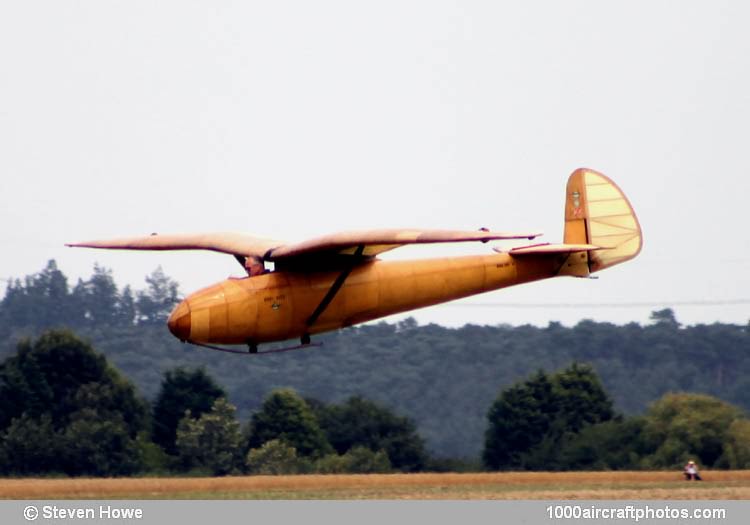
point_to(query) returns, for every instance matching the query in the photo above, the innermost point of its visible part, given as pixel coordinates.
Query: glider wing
(318, 253)
(373, 242)
(235, 244)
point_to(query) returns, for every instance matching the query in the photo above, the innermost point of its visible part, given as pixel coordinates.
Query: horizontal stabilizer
(540, 249)
(572, 258)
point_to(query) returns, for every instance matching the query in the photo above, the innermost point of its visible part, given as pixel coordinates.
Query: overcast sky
(296, 119)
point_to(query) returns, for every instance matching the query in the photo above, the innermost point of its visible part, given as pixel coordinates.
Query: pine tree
(155, 303)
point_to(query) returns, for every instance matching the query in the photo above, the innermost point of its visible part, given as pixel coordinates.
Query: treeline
(442, 379)
(45, 299)
(64, 409)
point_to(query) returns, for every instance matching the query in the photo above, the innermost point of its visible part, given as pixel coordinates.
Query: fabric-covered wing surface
(314, 254)
(379, 241)
(232, 243)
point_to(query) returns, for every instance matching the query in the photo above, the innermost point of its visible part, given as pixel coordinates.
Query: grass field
(516, 485)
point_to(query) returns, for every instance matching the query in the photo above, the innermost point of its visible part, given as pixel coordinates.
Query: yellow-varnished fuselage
(282, 305)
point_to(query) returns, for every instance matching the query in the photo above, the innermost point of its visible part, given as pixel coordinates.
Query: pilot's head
(254, 265)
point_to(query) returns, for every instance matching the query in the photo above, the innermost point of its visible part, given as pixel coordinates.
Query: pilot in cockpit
(254, 266)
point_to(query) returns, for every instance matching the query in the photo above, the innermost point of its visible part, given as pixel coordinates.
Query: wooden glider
(337, 280)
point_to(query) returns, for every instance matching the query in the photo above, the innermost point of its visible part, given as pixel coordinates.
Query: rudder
(597, 212)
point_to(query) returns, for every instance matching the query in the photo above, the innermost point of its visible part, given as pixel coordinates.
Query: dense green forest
(65, 410)
(443, 379)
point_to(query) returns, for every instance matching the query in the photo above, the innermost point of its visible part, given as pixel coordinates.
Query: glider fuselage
(286, 304)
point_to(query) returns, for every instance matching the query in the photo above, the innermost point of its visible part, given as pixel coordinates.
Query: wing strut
(335, 287)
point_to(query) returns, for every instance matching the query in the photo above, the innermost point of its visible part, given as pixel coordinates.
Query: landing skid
(253, 350)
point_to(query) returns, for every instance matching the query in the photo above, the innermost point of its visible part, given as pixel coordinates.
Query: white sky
(296, 119)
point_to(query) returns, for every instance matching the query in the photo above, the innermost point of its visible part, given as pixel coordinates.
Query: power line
(650, 304)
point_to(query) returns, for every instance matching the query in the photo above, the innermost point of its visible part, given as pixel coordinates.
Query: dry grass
(515, 485)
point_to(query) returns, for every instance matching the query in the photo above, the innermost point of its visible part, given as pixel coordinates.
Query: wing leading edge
(378, 241)
(363, 244)
(232, 243)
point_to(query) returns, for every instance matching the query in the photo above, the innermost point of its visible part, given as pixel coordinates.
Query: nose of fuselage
(179, 321)
(201, 317)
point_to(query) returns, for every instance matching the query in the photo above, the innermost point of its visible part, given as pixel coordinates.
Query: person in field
(691, 472)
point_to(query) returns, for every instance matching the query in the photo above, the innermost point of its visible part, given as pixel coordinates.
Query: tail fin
(598, 213)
